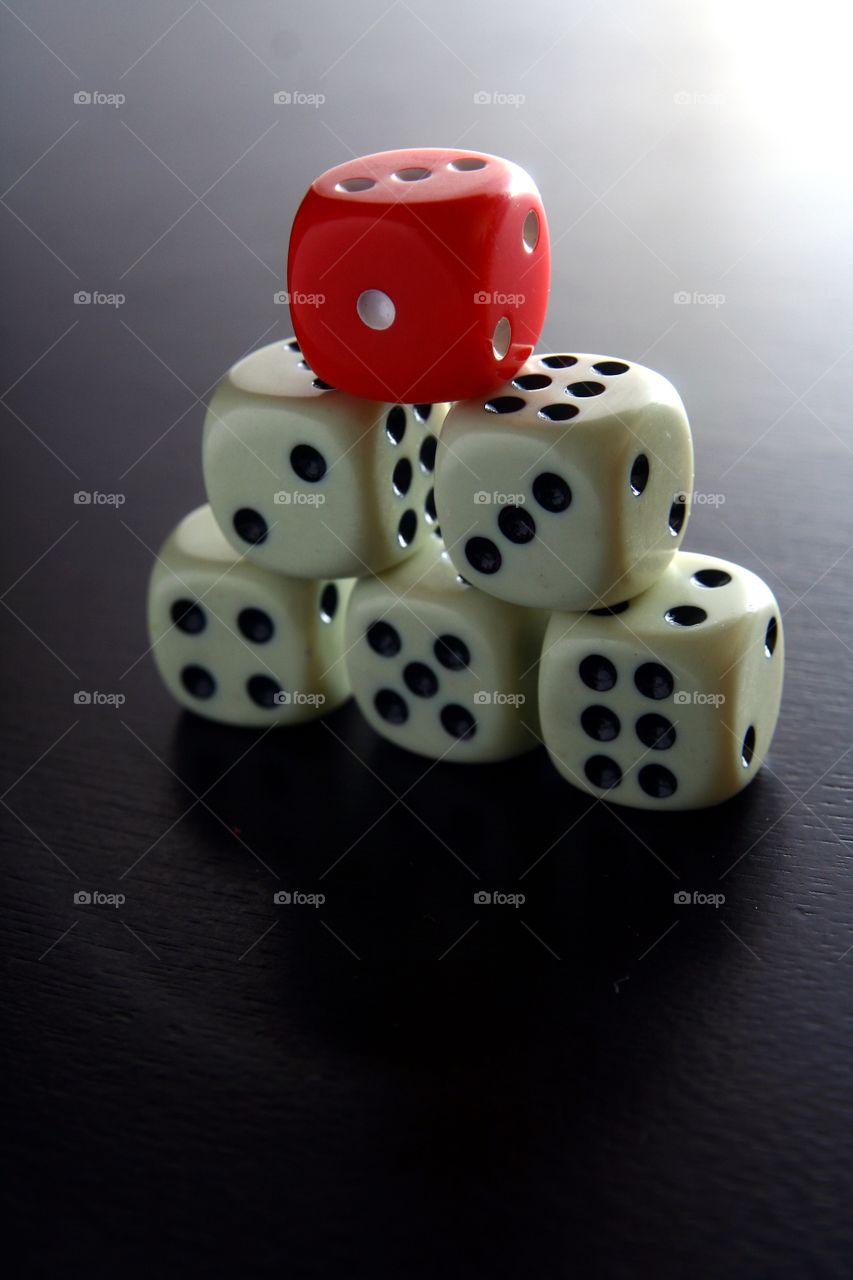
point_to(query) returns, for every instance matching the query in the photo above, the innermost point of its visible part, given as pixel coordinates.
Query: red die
(419, 276)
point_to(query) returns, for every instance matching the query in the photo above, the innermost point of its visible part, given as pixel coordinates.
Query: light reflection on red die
(421, 275)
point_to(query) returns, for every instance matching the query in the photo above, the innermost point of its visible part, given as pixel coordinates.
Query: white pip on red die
(238, 644)
(670, 700)
(569, 489)
(441, 668)
(310, 482)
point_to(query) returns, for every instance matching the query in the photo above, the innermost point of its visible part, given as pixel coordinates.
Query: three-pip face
(310, 482)
(570, 488)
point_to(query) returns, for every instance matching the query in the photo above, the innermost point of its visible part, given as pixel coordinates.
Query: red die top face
(419, 276)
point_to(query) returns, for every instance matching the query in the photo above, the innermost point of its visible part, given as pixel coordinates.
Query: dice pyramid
(480, 542)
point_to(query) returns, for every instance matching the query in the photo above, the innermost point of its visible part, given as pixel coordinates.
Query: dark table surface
(598, 1082)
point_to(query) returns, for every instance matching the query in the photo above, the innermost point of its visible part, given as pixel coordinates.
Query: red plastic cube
(419, 276)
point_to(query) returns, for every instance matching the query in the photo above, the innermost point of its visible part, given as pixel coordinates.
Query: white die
(310, 482)
(441, 668)
(569, 488)
(671, 701)
(238, 644)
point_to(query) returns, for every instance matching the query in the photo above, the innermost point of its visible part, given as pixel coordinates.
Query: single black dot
(655, 731)
(597, 672)
(516, 524)
(712, 578)
(427, 453)
(429, 507)
(198, 682)
(264, 691)
(395, 424)
(319, 385)
(552, 492)
(657, 782)
(464, 581)
(303, 364)
(384, 639)
(293, 344)
(639, 474)
(422, 411)
(482, 555)
(308, 463)
(600, 723)
(610, 609)
(559, 412)
(407, 528)
(653, 681)
(188, 616)
(452, 652)
(531, 382)
(436, 533)
(584, 389)
(329, 602)
(420, 679)
(603, 772)
(559, 362)
(771, 635)
(685, 615)
(402, 477)
(250, 526)
(747, 750)
(505, 404)
(255, 625)
(458, 722)
(391, 707)
(610, 367)
(677, 513)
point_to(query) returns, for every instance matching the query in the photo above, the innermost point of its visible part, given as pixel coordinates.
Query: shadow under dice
(238, 644)
(310, 482)
(569, 489)
(671, 700)
(441, 668)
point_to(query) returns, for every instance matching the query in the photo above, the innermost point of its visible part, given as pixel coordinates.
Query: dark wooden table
(398, 1082)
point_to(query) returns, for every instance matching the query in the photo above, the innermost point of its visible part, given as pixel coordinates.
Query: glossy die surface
(672, 702)
(440, 668)
(419, 275)
(238, 644)
(569, 489)
(311, 482)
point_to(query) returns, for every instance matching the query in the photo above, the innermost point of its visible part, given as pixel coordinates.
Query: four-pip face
(419, 275)
(570, 487)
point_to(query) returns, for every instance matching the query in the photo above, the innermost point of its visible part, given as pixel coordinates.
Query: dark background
(399, 1082)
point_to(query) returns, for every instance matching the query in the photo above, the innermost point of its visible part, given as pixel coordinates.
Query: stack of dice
(479, 543)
